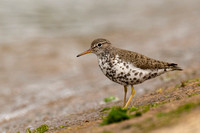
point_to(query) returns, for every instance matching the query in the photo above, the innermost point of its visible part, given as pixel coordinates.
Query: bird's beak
(86, 52)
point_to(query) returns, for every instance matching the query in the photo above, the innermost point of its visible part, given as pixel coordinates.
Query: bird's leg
(125, 91)
(132, 94)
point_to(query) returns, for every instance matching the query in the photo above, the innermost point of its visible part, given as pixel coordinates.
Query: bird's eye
(99, 44)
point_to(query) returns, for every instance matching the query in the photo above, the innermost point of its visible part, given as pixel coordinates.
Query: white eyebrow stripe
(103, 42)
(98, 43)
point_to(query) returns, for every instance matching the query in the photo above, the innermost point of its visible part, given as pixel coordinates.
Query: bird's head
(98, 46)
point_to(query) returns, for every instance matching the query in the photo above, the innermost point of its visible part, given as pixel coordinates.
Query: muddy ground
(47, 93)
(171, 98)
(42, 81)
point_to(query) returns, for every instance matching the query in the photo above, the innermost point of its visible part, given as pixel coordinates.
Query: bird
(125, 67)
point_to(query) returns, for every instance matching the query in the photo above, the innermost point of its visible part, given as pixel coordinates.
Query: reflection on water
(39, 72)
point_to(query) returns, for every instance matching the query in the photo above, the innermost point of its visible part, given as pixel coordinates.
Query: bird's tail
(174, 67)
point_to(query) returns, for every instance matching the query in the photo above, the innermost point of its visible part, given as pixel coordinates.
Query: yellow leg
(125, 91)
(132, 94)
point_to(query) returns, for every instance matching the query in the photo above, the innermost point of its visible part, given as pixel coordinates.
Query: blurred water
(39, 41)
(22, 19)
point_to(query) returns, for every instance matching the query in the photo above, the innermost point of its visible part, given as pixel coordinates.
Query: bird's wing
(144, 62)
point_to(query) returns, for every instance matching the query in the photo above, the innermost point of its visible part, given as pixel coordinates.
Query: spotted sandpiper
(127, 67)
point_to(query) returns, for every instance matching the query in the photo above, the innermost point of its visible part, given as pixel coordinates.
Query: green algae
(133, 108)
(41, 129)
(117, 114)
(110, 99)
(145, 108)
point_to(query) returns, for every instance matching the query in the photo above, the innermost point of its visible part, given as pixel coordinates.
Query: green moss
(186, 107)
(146, 108)
(105, 109)
(69, 128)
(18, 132)
(143, 108)
(160, 114)
(137, 114)
(187, 81)
(163, 119)
(193, 94)
(117, 114)
(109, 99)
(198, 79)
(62, 126)
(28, 130)
(191, 80)
(198, 84)
(42, 128)
(133, 109)
(59, 127)
(166, 96)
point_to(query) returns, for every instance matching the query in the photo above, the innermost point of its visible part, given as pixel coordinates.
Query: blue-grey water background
(40, 76)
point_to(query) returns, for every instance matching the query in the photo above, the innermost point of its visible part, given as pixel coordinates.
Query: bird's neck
(104, 55)
(108, 52)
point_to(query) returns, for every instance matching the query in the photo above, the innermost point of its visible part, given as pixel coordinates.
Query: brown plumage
(144, 62)
(127, 67)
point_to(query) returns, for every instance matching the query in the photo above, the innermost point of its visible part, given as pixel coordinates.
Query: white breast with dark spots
(125, 73)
